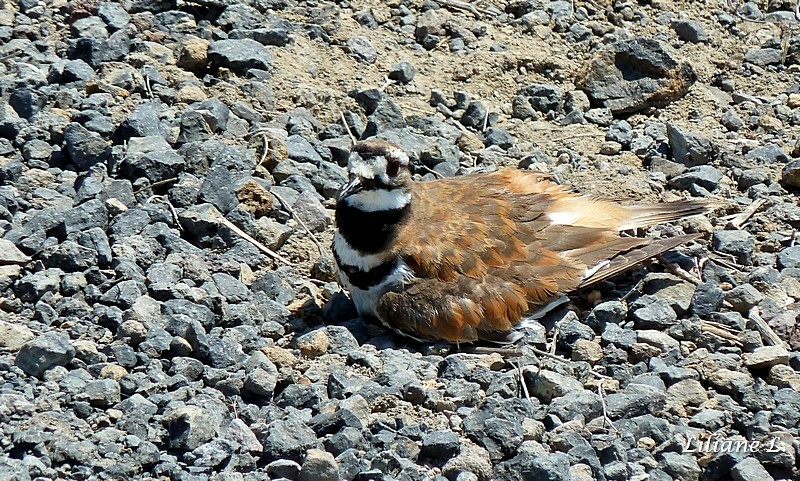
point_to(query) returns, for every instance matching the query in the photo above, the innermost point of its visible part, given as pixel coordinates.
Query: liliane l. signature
(716, 444)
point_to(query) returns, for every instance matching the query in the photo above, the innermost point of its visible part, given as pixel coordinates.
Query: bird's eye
(393, 168)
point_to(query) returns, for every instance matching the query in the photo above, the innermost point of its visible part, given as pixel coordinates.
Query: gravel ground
(142, 336)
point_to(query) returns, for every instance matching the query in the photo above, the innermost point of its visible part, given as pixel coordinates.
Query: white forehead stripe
(379, 200)
(367, 170)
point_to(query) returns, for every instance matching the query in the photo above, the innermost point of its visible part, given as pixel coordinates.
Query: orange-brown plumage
(486, 249)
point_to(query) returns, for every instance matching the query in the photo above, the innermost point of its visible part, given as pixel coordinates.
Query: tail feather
(651, 214)
(626, 260)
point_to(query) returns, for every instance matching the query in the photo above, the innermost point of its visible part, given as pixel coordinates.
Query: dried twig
(299, 221)
(477, 11)
(524, 386)
(770, 337)
(633, 289)
(386, 82)
(556, 331)
(347, 128)
(602, 394)
(678, 271)
(573, 136)
(428, 169)
(740, 219)
(230, 225)
(155, 184)
(147, 88)
(558, 358)
(162, 199)
(266, 151)
(705, 326)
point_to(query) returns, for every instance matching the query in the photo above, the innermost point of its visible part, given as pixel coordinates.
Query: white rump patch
(563, 218)
(379, 200)
(351, 257)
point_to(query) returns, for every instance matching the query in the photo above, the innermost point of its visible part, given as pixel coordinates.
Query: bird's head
(379, 177)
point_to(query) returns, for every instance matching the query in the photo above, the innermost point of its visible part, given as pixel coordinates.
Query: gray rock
(789, 258)
(193, 127)
(743, 297)
(474, 115)
(602, 116)
(283, 469)
(387, 116)
(288, 438)
(749, 469)
(500, 137)
(10, 254)
(155, 166)
(85, 148)
(735, 242)
(711, 420)
(631, 75)
(533, 98)
(751, 177)
(191, 426)
(650, 312)
(547, 385)
(403, 72)
(277, 36)
(299, 149)
(319, 466)
(579, 403)
(689, 148)
(680, 466)
(707, 298)
(613, 312)
(763, 56)
(571, 330)
(44, 352)
(766, 356)
(361, 49)
(705, 176)
(526, 465)
(690, 31)
(769, 154)
(232, 289)
(312, 213)
(440, 445)
(239, 55)
(618, 336)
(215, 113)
(627, 405)
(791, 174)
(27, 102)
(113, 14)
(103, 392)
(731, 121)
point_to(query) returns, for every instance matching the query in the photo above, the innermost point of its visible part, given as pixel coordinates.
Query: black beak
(350, 188)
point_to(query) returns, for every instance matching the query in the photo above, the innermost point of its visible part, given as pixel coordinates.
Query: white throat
(379, 200)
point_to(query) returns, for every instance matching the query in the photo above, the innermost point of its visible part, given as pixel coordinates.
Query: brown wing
(487, 249)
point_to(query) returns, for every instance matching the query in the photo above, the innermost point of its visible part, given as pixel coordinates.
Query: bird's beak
(351, 188)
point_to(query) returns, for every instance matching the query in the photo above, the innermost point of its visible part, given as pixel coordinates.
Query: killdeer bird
(467, 258)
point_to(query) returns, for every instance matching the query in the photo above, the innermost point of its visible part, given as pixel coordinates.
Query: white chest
(366, 300)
